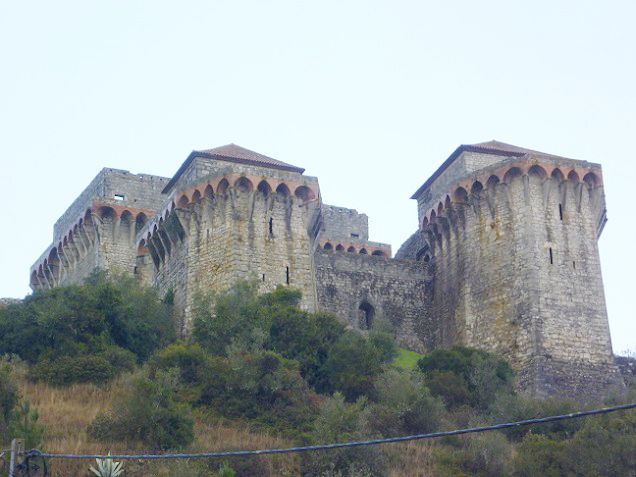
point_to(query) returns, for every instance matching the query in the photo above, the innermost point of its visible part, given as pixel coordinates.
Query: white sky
(369, 96)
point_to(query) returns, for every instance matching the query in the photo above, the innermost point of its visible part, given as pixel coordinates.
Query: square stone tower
(512, 237)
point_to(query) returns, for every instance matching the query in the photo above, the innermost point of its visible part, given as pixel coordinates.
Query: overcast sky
(369, 96)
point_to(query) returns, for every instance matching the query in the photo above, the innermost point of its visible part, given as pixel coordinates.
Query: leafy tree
(88, 332)
(353, 364)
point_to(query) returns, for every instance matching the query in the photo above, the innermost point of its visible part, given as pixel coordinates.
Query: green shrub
(480, 375)
(79, 369)
(404, 405)
(353, 364)
(148, 411)
(86, 319)
(340, 421)
(9, 397)
(23, 424)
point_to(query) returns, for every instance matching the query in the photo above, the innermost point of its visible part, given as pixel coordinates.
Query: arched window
(366, 313)
(363, 251)
(282, 190)
(327, 246)
(339, 248)
(351, 249)
(264, 188)
(423, 254)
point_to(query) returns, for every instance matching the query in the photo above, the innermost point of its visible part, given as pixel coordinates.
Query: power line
(37, 454)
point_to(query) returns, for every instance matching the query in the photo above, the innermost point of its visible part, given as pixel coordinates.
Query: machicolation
(504, 258)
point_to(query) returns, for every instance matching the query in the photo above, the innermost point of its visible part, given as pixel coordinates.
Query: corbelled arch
(512, 173)
(243, 184)
(304, 193)
(282, 190)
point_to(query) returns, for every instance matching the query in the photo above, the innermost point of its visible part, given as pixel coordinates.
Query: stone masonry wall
(397, 291)
(516, 271)
(343, 223)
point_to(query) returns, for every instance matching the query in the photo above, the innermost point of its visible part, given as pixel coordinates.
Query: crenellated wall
(516, 270)
(365, 289)
(230, 227)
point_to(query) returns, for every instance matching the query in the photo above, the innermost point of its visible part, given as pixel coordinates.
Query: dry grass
(411, 459)
(66, 412)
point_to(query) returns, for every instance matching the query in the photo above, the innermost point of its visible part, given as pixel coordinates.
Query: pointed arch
(591, 180)
(243, 184)
(196, 196)
(460, 195)
(264, 188)
(282, 190)
(183, 201)
(339, 248)
(425, 223)
(366, 313)
(363, 251)
(304, 193)
(140, 221)
(351, 249)
(208, 193)
(511, 174)
(223, 186)
(558, 175)
(440, 208)
(141, 248)
(423, 254)
(327, 246)
(126, 217)
(477, 187)
(492, 181)
(538, 171)
(378, 253)
(573, 176)
(433, 216)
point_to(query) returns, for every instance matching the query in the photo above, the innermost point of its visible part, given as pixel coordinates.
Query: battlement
(505, 257)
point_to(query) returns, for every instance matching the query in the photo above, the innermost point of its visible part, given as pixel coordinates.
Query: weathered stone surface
(505, 257)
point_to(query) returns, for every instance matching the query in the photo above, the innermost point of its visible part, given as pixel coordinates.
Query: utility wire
(37, 454)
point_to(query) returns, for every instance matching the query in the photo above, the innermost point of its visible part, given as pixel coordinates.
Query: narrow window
(560, 211)
(263, 277)
(119, 197)
(574, 265)
(551, 257)
(355, 235)
(287, 275)
(271, 226)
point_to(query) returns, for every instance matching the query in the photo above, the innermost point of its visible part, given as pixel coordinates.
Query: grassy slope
(66, 412)
(407, 359)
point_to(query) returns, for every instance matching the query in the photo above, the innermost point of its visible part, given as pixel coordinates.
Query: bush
(353, 364)
(9, 397)
(340, 421)
(89, 319)
(404, 405)
(23, 424)
(80, 369)
(462, 375)
(147, 411)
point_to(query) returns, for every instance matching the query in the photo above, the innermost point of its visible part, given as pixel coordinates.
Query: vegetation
(105, 373)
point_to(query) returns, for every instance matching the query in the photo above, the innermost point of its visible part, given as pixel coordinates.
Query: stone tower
(511, 236)
(98, 230)
(231, 214)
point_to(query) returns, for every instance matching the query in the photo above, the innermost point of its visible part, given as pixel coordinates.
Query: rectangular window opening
(119, 197)
(355, 235)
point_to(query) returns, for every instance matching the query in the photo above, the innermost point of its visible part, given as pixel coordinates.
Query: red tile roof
(237, 154)
(489, 147)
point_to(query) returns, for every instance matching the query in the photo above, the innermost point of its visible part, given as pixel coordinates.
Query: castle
(505, 257)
